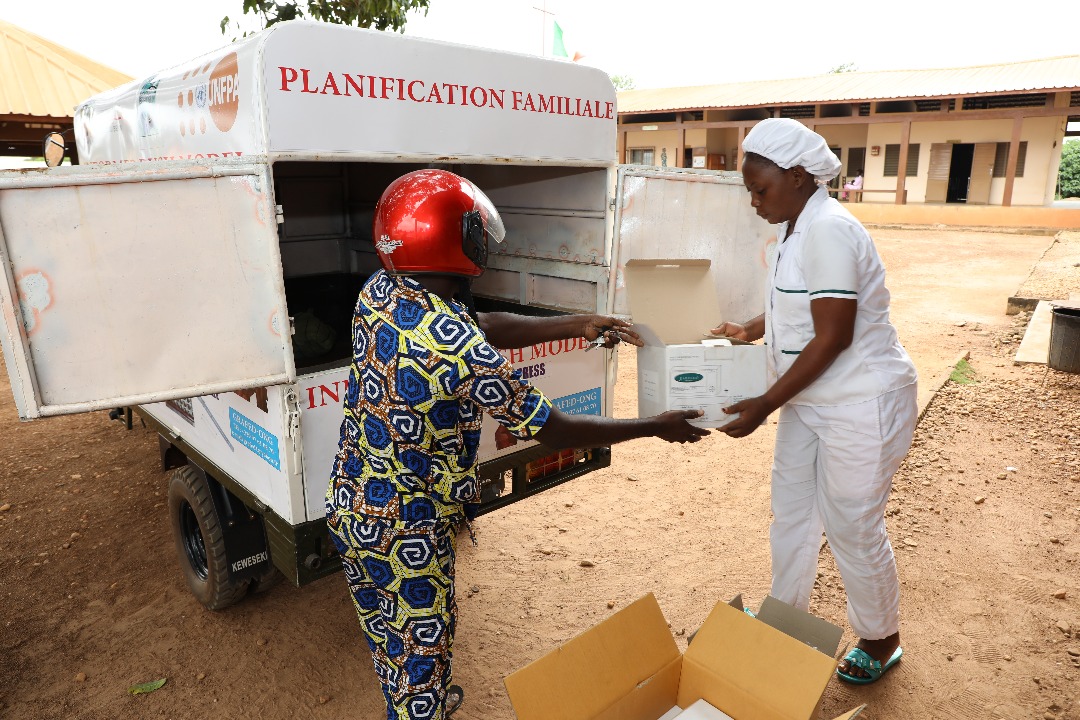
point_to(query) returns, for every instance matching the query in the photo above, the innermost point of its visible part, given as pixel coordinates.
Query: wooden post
(1010, 166)
(901, 170)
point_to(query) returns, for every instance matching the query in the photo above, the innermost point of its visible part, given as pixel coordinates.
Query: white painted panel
(341, 89)
(677, 213)
(122, 286)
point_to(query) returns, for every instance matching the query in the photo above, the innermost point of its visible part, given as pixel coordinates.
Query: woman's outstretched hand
(673, 426)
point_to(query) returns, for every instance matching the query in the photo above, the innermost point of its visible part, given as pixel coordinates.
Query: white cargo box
(673, 303)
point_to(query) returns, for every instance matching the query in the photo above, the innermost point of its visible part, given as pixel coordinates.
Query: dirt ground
(985, 518)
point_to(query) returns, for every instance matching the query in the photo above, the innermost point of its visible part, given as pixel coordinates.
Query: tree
(622, 82)
(380, 14)
(844, 68)
(1069, 172)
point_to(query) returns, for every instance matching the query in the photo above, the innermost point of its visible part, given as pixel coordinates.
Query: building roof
(1051, 74)
(43, 79)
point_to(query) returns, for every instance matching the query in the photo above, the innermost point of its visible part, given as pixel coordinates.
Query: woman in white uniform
(845, 388)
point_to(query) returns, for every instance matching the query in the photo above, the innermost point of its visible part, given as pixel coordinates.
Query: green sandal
(867, 664)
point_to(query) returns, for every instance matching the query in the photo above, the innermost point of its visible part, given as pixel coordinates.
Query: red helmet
(435, 222)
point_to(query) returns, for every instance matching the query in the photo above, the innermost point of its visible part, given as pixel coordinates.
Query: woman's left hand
(752, 413)
(613, 329)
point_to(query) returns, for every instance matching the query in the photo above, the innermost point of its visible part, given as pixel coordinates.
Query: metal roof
(43, 79)
(1058, 73)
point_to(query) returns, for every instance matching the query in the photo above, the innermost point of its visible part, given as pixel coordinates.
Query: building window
(1001, 159)
(892, 160)
(642, 156)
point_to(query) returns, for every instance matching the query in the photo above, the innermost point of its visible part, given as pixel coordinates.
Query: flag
(558, 45)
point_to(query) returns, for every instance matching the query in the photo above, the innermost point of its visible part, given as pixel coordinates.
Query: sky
(655, 44)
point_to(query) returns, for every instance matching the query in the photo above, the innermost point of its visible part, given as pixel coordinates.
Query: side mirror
(54, 149)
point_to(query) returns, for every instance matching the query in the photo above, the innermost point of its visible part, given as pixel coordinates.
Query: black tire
(199, 542)
(267, 580)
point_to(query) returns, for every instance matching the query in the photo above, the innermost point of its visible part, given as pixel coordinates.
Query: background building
(987, 135)
(42, 84)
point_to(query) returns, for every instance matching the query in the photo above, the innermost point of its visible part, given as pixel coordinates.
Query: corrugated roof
(1059, 73)
(44, 79)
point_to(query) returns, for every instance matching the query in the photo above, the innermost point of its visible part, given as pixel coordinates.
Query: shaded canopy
(40, 85)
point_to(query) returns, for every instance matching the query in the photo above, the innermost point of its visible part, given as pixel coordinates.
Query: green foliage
(963, 374)
(379, 14)
(1069, 172)
(622, 82)
(844, 68)
(146, 687)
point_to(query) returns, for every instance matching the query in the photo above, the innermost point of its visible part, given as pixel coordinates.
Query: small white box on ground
(673, 304)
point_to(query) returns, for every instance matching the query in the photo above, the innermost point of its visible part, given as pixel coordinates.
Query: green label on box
(689, 377)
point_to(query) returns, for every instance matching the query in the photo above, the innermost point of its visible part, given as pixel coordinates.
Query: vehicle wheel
(199, 542)
(264, 582)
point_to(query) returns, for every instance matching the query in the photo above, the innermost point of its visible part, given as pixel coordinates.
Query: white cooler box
(673, 304)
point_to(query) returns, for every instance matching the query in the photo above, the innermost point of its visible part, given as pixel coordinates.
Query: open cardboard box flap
(675, 300)
(601, 669)
(628, 667)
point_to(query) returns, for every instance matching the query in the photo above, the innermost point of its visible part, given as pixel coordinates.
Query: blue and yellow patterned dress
(421, 378)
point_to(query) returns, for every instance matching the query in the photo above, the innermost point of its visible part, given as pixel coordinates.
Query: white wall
(1040, 165)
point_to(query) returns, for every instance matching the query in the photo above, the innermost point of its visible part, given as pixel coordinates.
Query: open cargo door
(692, 215)
(127, 284)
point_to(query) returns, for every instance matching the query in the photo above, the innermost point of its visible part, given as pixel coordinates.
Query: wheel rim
(194, 547)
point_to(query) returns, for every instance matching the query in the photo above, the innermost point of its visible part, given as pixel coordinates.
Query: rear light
(554, 463)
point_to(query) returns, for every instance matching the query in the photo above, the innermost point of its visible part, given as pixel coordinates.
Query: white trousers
(832, 470)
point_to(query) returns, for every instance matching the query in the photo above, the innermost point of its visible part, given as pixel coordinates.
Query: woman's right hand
(731, 330)
(673, 426)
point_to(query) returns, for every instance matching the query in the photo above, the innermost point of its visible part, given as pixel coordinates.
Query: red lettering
(516, 356)
(588, 108)
(498, 97)
(349, 82)
(546, 103)
(449, 87)
(413, 84)
(529, 104)
(325, 392)
(435, 96)
(610, 108)
(538, 351)
(310, 398)
(516, 95)
(387, 87)
(330, 83)
(288, 76)
(400, 88)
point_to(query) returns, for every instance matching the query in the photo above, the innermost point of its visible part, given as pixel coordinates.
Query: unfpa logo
(219, 96)
(224, 93)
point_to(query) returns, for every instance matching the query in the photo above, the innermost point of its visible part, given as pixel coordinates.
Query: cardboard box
(673, 303)
(773, 667)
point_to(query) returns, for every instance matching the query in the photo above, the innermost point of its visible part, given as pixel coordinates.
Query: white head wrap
(789, 143)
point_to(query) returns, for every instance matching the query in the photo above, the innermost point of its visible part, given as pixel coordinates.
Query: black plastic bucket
(1065, 340)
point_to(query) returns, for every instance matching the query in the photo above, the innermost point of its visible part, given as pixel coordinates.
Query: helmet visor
(479, 227)
(493, 224)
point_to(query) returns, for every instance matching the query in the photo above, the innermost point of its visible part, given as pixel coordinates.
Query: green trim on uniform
(799, 292)
(791, 352)
(841, 292)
